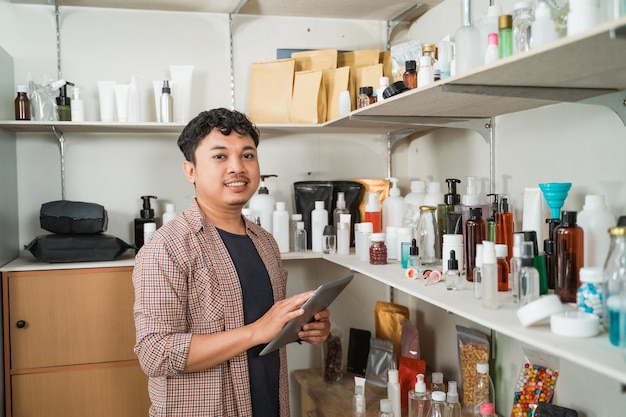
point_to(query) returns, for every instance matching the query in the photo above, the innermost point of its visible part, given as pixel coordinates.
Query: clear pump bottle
(419, 399)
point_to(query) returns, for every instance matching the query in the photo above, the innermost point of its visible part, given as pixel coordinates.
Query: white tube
(158, 88)
(121, 101)
(106, 94)
(181, 92)
(532, 218)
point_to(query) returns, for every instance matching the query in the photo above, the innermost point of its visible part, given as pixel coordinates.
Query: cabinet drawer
(69, 317)
(120, 391)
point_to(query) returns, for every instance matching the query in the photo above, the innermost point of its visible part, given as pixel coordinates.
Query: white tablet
(323, 296)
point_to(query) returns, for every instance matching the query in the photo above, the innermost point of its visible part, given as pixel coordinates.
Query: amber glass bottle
(475, 233)
(504, 226)
(410, 74)
(569, 254)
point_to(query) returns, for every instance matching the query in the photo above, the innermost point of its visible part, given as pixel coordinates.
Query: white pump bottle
(262, 206)
(393, 206)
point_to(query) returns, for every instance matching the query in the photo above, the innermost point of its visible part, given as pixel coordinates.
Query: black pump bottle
(146, 216)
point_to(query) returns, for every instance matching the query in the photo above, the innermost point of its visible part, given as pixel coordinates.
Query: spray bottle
(393, 206)
(146, 215)
(262, 205)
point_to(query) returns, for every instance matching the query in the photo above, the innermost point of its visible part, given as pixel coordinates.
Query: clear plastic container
(523, 17)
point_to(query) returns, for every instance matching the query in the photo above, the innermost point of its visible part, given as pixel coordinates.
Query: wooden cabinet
(68, 344)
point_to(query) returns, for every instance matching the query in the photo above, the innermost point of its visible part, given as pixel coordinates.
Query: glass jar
(427, 236)
(590, 294)
(378, 249)
(363, 99)
(614, 277)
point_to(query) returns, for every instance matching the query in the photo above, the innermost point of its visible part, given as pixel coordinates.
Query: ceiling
(405, 10)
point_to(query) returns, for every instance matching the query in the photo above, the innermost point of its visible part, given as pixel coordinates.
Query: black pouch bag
(77, 248)
(73, 217)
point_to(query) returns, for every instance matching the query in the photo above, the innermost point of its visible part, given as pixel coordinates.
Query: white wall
(579, 143)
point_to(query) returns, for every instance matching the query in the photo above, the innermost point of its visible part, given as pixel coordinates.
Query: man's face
(226, 172)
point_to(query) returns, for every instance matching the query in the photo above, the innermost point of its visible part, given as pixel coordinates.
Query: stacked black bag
(78, 234)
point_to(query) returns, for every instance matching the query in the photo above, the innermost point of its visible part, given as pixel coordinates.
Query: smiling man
(210, 288)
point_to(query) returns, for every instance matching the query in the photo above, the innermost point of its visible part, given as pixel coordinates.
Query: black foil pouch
(551, 410)
(73, 217)
(358, 350)
(77, 248)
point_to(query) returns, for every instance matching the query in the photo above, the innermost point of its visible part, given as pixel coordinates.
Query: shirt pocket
(206, 302)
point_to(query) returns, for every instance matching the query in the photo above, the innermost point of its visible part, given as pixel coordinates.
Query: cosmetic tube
(181, 91)
(106, 95)
(121, 101)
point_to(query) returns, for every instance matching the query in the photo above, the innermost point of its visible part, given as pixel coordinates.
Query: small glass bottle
(467, 48)
(523, 17)
(515, 266)
(484, 391)
(478, 273)
(329, 240)
(410, 74)
(363, 99)
(505, 35)
(437, 383)
(427, 236)
(475, 233)
(385, 408)
(295, 218)
(614, 279)
(437, 404)
(503, 267)
(22, 103)
(528, 284)
(590, 294)
(452, 276)
(300, 240)
(569, 250)
(548, 250)
(378, 250)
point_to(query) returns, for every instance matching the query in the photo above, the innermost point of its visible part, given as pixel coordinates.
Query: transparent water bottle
(300, 240)
(523, 16)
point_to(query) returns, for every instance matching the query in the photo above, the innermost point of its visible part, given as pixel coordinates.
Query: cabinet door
(120, 391)
(70, 317)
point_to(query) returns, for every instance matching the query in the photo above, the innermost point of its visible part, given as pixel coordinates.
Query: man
(210, 288)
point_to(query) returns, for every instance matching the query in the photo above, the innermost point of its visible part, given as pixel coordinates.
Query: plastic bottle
(452, 398)
(146, 215)
(372, 211)
(484, 391)
(595, 220)
(505, 36)
(583, 15)
(569, 250)
(262, 205)
(470, 199)
(539, 260)
(437, 384)
(523, 16)
(394, 392)
(383, 82)
(358, 400)
(467, 41)
(295, 218)
(437, 404)
(301, 238)
(378, 249)
(504, 225)
(488, 24)
(433, 196)
(385, 408)
(343, 234)
(134, 101)
(427, 235)
(489, 276)
(528, 288)
(478, 272)
(452, 242)
(614, 285)
(280, 227)
(78, 107)
(590, 295)
(64, 106)
(393, 206)
(426, 74)
(148, 229)
(410, 74)
(391, 240)
(475, 233)
(169, 214)
(452, 275)
(491, 53)
(340, 208)
(412, 202)
(319, 219)
(22, 103)
(365, 231)
(445, 49)
(548, 250)
(543, 29)
(404, 238)
(516, 265)
(503, 267)
(419, 399)
(167, 105)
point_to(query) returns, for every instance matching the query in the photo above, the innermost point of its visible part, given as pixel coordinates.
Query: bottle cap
(542, 11)
(522, 5)
(410, 65)
(377, 237)
(362, 90)
(300, 225)
(169, 207)
(575, 324)
(518, 240)
(392, 375)
(505, 21)
(479, 255)
(147, 212)
(437, 377)
(452, 198)
(425, 61)
(528, 254)
(385, 405)
(593, 274)
(329, 230)
(539, 310)
(470, 198)
(453, 395)
(413, 250)
(319, 205)
(296, 217)
(568, 218)
(166, 87)
(366, 227)
(418, 186)
(420, 385)
(149, 227)
(394, 191)
(492, 39)
(395, 88)
(280, 206)
(476, 213)
(489, 252)
(453, 264)
(21, 88)
(383, 81)
(487, 409)
(502, 251)
(531, 236)
(594, 202)
(438, 396)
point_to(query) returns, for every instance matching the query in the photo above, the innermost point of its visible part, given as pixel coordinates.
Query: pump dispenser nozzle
(394, 191)
(262, 188)
(147, 212)
(452, 198)
(420, 385)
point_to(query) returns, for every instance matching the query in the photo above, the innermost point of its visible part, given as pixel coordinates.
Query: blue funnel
(555, 194)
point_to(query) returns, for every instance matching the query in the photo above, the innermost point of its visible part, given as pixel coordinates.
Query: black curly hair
(224, 120)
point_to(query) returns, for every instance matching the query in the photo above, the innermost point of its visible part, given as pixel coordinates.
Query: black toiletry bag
(77, 248)
(73, 217)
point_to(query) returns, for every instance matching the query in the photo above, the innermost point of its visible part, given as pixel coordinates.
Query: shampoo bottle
(319, 219)
(146, 215)
(262, 205)
(595, 219)
(393, 206)
(280, 227)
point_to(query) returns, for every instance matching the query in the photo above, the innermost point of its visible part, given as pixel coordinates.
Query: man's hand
(316, 331)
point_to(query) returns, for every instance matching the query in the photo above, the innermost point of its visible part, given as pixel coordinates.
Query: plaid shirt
(186, 283)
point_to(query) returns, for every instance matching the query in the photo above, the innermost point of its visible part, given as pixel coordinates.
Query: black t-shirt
(258, 297)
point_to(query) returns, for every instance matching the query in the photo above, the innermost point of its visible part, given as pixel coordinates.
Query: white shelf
(594, 353)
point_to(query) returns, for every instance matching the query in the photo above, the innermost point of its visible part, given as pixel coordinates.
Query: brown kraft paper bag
(369, 76)
(319, 59)
(388, 320)
(271, 87)
(308, 104)
(335, 81)
(354, 60)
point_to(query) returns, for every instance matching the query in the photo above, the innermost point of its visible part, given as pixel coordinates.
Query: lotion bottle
(419, 399)
(146, 215)
(262, 206)
(169, 214)
(393, 206)
(280, 227)
(319, 219)
(358, 399)
(393, 391)
(343, 234)
(595, 220)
